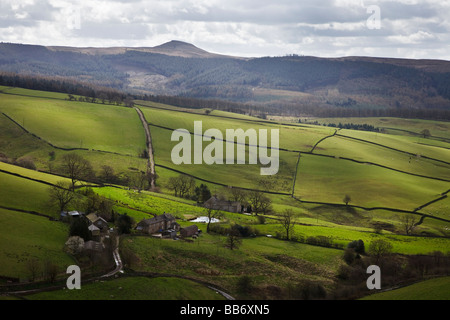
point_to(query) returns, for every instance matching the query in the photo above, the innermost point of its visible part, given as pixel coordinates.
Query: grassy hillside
(69, 124)
(387, 176)
(434, 289)
(24, 237)
(138, 288)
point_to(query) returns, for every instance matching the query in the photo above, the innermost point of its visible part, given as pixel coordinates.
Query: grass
(437, 128)
(23, 194)
(135, 288)
(360, 151)
(150, 203)
(70, 124)
(413, 145)
(44, 241)
(434, 289)
(267, 261)
(324, 179)
(300, 138)
(227, 174)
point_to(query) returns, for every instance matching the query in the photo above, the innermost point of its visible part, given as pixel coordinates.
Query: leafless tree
(139, 181)
(183, 185)
(260, 202)
(33, 268)
(51, 271)
(107, 174)
(61, 196)
(76, 167)
(211, 214)
(236, 194)
(233, 240)
(409, 223)
(287, 221)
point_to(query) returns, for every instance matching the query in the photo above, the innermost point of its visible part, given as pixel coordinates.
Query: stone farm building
(158, 224)
(223, 205)
(189, 231)
(98, 222)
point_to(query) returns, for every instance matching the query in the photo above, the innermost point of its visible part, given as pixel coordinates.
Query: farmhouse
(158, 224)
(100, 223)
(189, 231)
(224, 205)
(94, 231)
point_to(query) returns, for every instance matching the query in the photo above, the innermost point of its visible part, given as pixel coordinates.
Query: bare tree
(233, 240)
(288, 223)
(139, 181)
(51, 271)
(260, 202)
(239, 195)
(76, 167)
(183, 185)
(347, 199)
(409, 223)
(172, 184)
(61, 196)
(107, 174)
(211, 214)
(33, 268)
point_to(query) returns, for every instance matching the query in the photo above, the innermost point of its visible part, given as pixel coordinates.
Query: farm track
(150, 160)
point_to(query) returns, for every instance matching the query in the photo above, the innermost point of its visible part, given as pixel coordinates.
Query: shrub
(27, 163)
(358, 246)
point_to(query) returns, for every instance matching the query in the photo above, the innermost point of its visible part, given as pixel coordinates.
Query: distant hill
(181, 69)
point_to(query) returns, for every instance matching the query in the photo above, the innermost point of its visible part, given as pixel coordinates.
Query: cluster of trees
(24, 162)
(42, 270)
(395, 268)
(100, 94)
(184, 186)
(87, 92)
(352, 126)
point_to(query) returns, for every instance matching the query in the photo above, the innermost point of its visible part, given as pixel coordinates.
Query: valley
(336, 185)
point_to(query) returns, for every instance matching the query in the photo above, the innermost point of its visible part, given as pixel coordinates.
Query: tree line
(101, 94)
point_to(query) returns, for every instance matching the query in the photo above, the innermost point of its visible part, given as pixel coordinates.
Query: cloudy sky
(326, 28)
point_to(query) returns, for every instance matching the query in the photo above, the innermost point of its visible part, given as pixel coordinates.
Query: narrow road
(150, 160)
(119, 264)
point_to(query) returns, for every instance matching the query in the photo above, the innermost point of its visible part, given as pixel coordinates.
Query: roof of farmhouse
(163, 217)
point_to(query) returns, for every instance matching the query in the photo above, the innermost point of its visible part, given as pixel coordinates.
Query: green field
(207, 259)
(437, 128)
(343, 147)
(297, 138)
(434, 289)
(324, 179)
(134, 288)
(388, 176)
(44, 241)
(70, 124)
